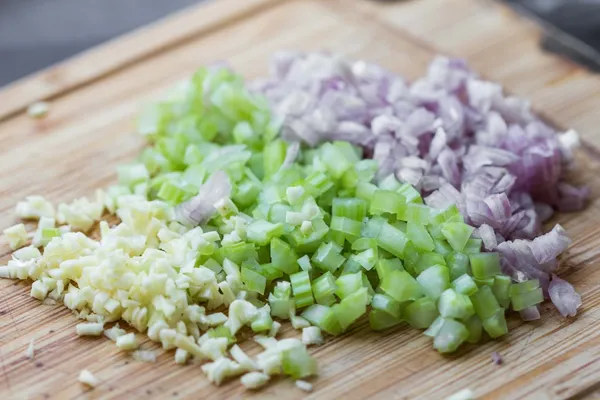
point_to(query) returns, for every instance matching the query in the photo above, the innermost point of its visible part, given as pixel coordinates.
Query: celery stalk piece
(253, 281)
(328, 257)
(475, 328)
(380, 320)
(297, 363)
(484, 302)
(386, 265)
(521, 301)
(283, 257)
(434, 281)
(464, 284)
(324, 287)
(386, 202)
(352, 208)
(501, 289)
(416, 213)
(495, 325)
(485, 265)
(450, 336)
(392, 240)
(351, 308)
(419, 236)
(455, 305)
(458, 263)
(401, 286)
(302, 289)
(385, 303)
(421, 313)
(457, 234)
(348, 284)
(323, 317)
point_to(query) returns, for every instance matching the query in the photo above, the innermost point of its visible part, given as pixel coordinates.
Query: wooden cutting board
(89, 131)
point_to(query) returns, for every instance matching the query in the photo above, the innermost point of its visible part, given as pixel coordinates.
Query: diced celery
(419, 236)
(485, 265)
(410, 194)
(416, 213)
(521, 301)
(297, 363)
(473, 246)
(495, 325)
(302, 289)
(458, 263)
(323, 317)
(385, 303)
(348, 284)
(283, 257)
(484, 302)
(351, 308)
(434, 281)
(464, 284)
(421, 313)
(475, 328)
(386, 265)
(501, 289)
(380, 320)
(427, 260)
(328, 257)
(352, 208)
(386, 202)
(455, 305)
(367, 258)
(324, 287)
(253, 281)
(392, 239)
(401, 286)
(450, 336)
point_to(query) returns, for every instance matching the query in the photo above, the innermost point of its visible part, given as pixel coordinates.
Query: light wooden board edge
(100, 61)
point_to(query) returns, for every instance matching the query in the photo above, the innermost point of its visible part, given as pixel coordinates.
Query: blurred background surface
(35, 34)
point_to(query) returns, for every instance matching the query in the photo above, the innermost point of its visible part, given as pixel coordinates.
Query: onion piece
(201, 207)
(564, 296)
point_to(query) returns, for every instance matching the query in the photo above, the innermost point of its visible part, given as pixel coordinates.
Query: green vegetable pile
(286, 232)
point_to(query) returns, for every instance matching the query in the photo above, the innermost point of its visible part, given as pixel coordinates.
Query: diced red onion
(201, 207)
(530, 313)
(564, 297)
(497, 358)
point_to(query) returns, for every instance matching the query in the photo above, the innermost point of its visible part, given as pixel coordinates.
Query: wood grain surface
(89, 131)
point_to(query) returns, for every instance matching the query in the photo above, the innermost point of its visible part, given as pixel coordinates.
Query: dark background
(37, 33)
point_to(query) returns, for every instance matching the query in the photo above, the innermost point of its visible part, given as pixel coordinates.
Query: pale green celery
(297, 363)
(253, 281)
(484, 302)
(132, 174)
(352, 208)
(450, 336)
(390, 183)
(277, 212)
(351, 308)
(309, 243)
(455, 305)
(442, 247)
(364, 243)
(464, 284)
(521, 301)
(410, 194)
(416, 213)
(434, 281)
(401, 286)
(283, 257)
(380, 320)
(195, 175)
(367, 258)
(458, 263)
(421, 313)
(385, 266)
(501, 289)
(495, 325)
(365, 190)
(304, 263)
(372, 227)
(419, 236)
(335, 159)
(475, 328)
(262, 232)
(392, 240)
(323, 317)
(385, 303)
(473, 246)
(349, 227)
(324, 288)
(302, 289)
(428, 259)
(386, 202)
(457, 234)
(485, 265)
(348, 284)
(328, 257)
(524, 287)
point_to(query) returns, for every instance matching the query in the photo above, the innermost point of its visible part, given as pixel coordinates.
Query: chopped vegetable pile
(236, 218)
